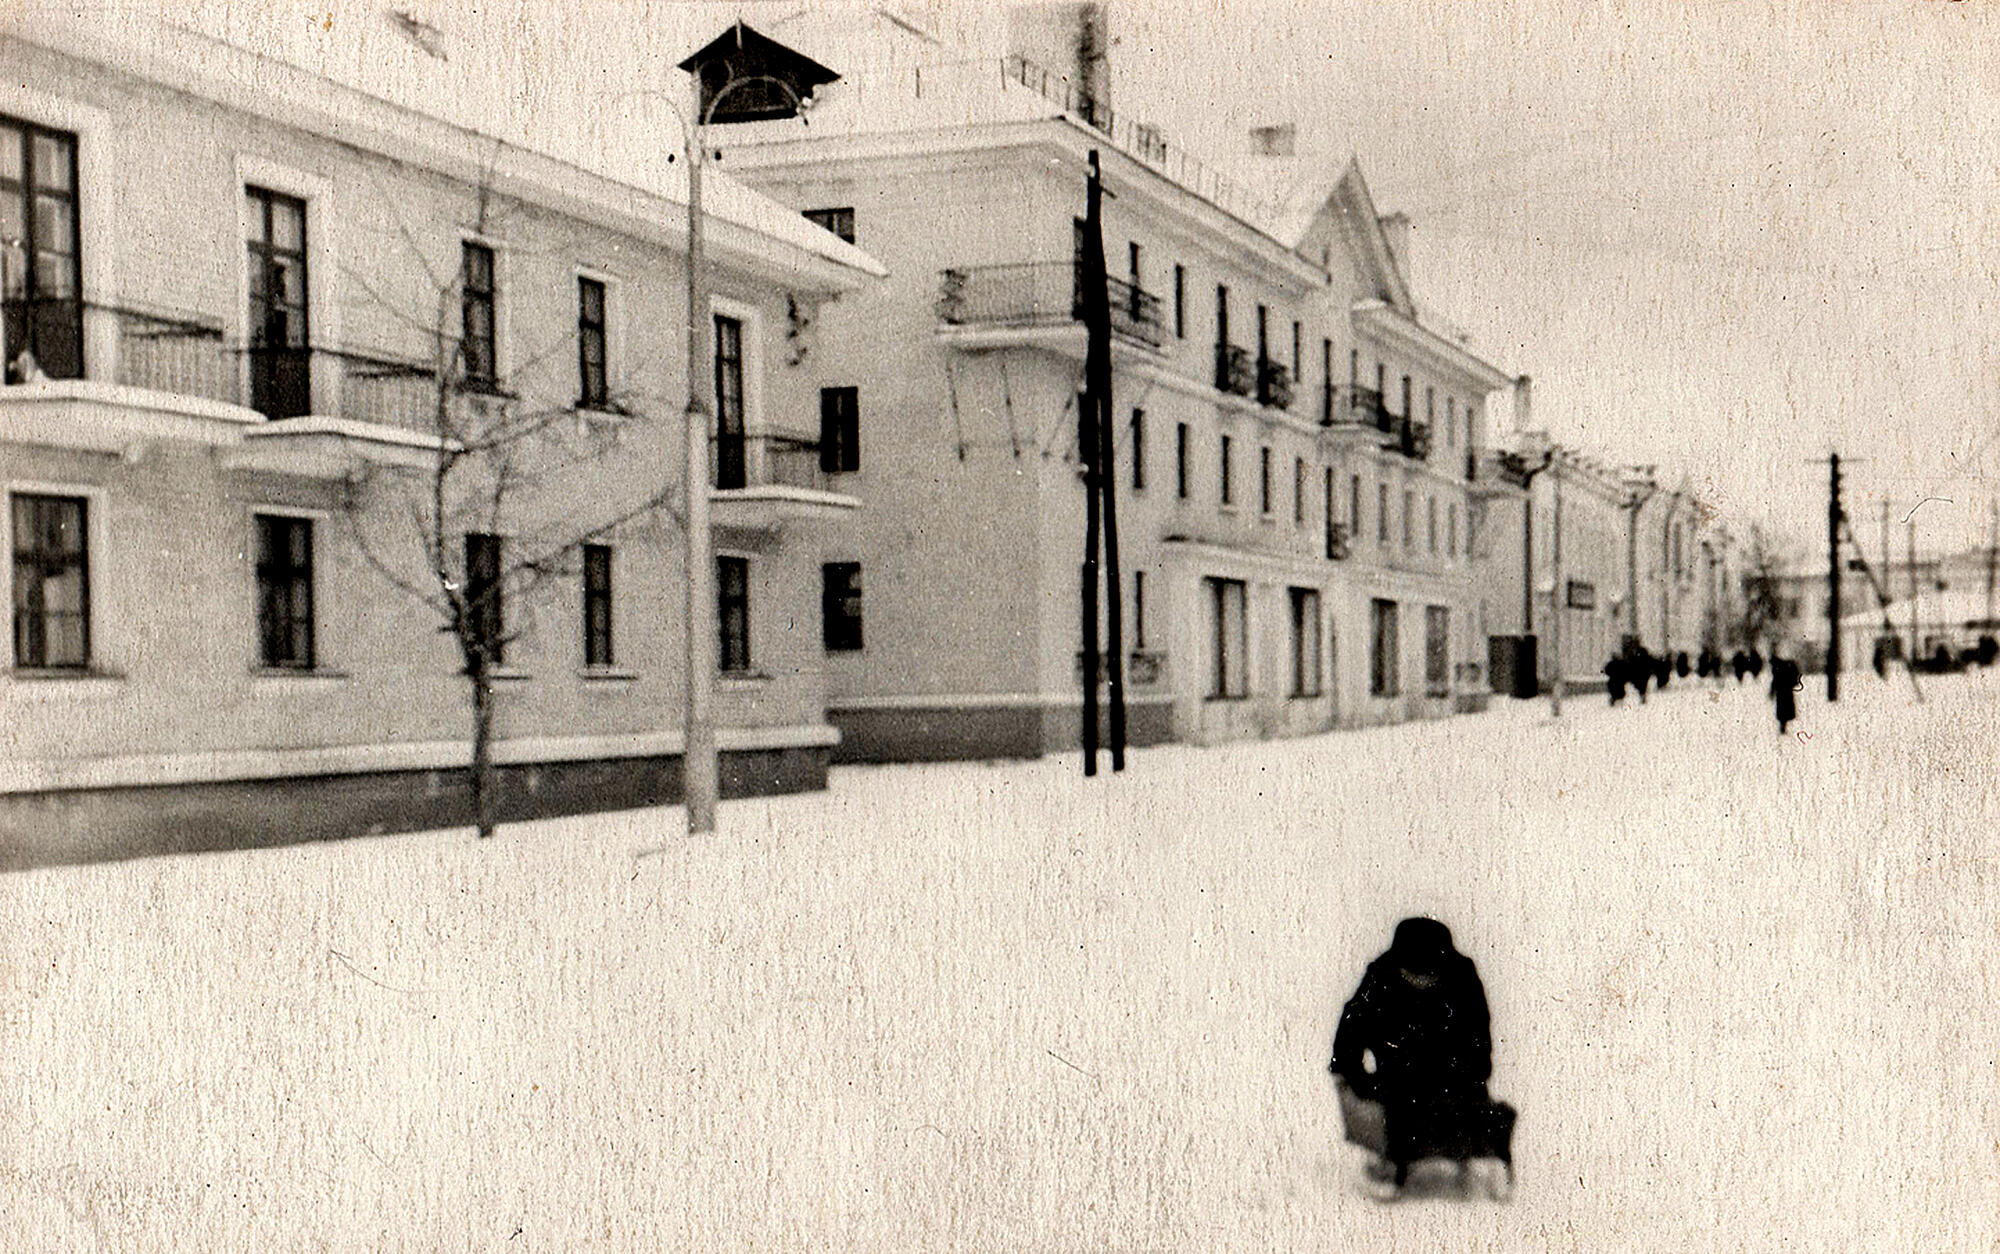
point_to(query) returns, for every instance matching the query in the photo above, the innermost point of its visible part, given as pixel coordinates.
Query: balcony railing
(1274, 384)
(1368, 409)
(175, 353)
(1042, 294)
(766, 460)
(1235, 370)
(1413, 439)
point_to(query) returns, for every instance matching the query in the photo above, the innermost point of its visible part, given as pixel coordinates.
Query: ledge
(772, 507)
(607, 676)
(109, 417)
(222, 766)
(323, 447)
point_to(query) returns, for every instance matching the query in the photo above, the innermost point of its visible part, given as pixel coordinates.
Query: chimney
(1524, 420)
(1396, 229)
(1068, 38)
(1274, 141)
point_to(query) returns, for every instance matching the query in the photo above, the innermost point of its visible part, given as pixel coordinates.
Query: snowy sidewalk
(1741, 990)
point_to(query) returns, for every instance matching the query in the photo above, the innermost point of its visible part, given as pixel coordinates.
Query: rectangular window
(1409, 519)
(1382, 514)
(1132, 253)
(477, 302)
(1354, 507)
(1181, 460)
(840, 606)
(1431, 522)
(1180, 301)
(1264, 477)
(51, 582)
(1451, 529)
(732, 612)
(1332, 529)
(1469, 441)
(839, 221)
(597, 605)
(485, 611)
(1451, 421)
(279, 349)
(1298, 492)
(1229, 638)
(1297, 331)
(1138, 609)
(1382, 650)
(1406, 396)
(1437, 651)
(593, 385)
(1138, 450)
(285, 592)
(839, 430)
(41, 256)
(1263, 336)
(731, 470)
(1430, 404)
(1221, 314)
(1228, 488)
(1305, 643)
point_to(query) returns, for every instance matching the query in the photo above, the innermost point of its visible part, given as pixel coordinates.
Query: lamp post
(700, 783)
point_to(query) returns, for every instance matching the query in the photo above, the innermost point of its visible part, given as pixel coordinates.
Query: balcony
(1413, 439)
(1022, 302)
(1235, 370)
(1366, 408)
(1274, 385)
(765, 480)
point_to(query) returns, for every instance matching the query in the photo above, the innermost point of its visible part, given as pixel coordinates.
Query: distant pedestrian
(1663, 670)
(1880, 659)
(1785, 686)
(1681, 666)
(1756, 663)
(1739, 662)
(1614, 680)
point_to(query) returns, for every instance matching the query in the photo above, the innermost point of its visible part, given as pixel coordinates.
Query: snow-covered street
(1743, 994)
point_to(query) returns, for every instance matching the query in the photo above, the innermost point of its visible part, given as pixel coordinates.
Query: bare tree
(506, 496)
(1763, 589)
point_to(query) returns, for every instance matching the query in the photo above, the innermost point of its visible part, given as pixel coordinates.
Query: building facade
(1293, 437)
(249, 313)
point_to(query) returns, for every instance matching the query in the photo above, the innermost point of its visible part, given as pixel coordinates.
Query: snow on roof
(547, 89)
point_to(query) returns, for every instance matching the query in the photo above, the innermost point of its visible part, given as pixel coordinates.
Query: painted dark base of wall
(971, 734)
(98, 825)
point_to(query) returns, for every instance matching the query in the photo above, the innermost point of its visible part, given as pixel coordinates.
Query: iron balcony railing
(1042, 294)
(1235, 370)
(763, 459)
(1413, 439)
(1368, 410)
(1274, 384)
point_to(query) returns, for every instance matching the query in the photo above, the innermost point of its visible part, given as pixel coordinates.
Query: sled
(1487, 1132)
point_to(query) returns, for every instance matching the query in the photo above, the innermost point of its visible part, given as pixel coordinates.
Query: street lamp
(700, 785)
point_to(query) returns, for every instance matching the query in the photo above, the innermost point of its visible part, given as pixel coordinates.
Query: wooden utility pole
(1091, 428)
(1833, 516)
(1557, 600)
(699, 772)
(1911, 523)
(1097, 368)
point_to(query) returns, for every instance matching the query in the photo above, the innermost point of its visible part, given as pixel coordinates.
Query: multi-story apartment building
(226, 283)
(1634, 562)
(1294, 437)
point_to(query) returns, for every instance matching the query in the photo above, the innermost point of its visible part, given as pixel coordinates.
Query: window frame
(1228, 492)
(599, 396)
(600, 638)
(1227, 681)
(723, 433)
(1180, 301)
(264, 572)
(734, 656)
(840, 429)
(89, 518)
(1308, 669)
(1384, 648)
(841, 602)
(478, 376)
(486, 593)
(1264, 480)
(831, 220)
(1137, 437)
(1181, 485)
(261, 256)
(31, 194)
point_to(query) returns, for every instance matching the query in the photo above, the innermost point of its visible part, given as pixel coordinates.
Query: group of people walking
(1635, 667)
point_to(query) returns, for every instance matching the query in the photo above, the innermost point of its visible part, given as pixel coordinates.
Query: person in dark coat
(1614, 679)
(1663, 670)
(1416, 1037)
(1785, 685)
(1739, 662)
(1681, 666)
(1756, 663)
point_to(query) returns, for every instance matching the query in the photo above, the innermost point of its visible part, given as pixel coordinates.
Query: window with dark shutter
(597, 605)
(839, 430)
(41, 256)
(840, 606)
(285, 592)
(51, 582)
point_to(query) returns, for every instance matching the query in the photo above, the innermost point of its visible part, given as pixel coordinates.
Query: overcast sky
(1723, 238)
